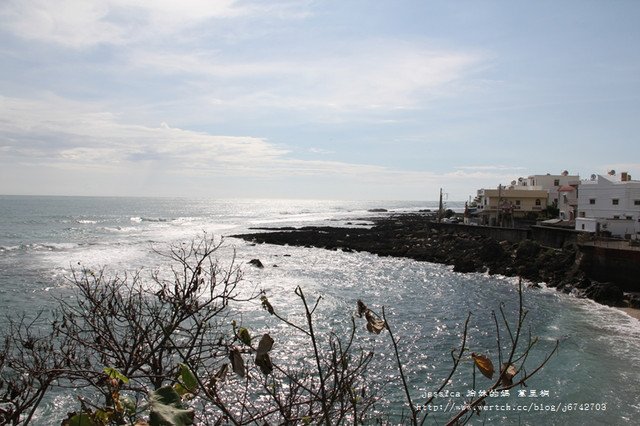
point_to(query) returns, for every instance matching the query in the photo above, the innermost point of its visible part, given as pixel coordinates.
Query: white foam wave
(53, 246)
(120, 229)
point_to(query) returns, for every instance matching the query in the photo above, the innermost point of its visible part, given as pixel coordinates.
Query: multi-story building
(496, 205)
(611, 204)
(562, 190)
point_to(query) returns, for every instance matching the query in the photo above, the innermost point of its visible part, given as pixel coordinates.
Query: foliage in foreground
(168, 353)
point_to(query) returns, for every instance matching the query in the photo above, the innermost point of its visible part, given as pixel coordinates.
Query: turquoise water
(41, 238)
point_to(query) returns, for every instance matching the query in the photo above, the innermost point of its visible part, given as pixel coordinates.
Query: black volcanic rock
(605, 293)
(414, 236)
(256, 262)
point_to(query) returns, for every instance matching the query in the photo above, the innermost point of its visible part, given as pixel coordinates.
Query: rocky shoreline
(412, 236)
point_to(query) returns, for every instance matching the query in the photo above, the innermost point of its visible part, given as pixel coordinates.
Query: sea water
(592, 379)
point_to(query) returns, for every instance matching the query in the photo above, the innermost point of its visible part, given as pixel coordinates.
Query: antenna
(593, 177)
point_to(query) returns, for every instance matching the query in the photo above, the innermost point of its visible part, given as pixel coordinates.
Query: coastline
(414, 236)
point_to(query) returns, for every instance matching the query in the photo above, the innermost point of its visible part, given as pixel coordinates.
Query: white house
(607, 203)
(562, 190)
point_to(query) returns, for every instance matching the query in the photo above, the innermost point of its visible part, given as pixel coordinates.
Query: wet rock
(414, 237)
(633, 300)
(527, 249)
(605, 293)
(256, 262)
(465, 265)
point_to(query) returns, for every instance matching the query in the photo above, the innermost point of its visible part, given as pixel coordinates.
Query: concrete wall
(512, 235)
(553, 237)
(612, 265)
(546, 236)
(601, 263)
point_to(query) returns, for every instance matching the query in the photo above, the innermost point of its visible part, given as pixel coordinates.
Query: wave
(138, 219)
(39, 247)
(86, 221)
(120, 229)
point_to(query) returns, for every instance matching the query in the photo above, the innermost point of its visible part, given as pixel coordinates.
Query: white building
(562, 190)
(610, 203)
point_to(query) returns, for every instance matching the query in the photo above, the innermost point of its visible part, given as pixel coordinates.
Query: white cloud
(67, 22)
(85, 23)
(59, 132)
(320, 151)
(75, 137)
(376, 75)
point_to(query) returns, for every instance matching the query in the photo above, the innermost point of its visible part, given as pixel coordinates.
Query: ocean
(593, 379)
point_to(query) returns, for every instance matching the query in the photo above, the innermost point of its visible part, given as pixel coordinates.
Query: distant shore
(413, 235)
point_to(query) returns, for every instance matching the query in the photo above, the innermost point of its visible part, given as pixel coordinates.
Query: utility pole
(499, 205)
(440, 207)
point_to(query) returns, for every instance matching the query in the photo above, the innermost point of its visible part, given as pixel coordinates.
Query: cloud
(62, 133)
(370, 75)
(80, 137)
(70, 23)
(321, 151)
(80, 24)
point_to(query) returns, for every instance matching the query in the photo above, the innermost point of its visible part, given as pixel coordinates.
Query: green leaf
(103, 416)
(115, 374)
(188, 378)
(180, 390)
(244, 336)
(82, 419)
(129, 404)
(167, 410)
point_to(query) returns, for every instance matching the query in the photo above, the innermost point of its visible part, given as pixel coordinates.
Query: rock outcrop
(413, 236)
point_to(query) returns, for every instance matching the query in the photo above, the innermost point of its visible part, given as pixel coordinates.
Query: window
(556, 182)
(537, 201)
(636, 202)
(581, 214)
(615, 201)
(592, 201)
(517, 202)
(616, 217)
(583, 226)
(629, 217)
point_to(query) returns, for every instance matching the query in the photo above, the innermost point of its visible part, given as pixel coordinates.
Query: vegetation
(168, 352)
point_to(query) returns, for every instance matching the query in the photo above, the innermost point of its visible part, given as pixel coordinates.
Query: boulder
(605, 293)
(256, 263)
(465, 264)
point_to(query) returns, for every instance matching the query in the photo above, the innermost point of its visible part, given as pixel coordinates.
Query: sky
(346, 99)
